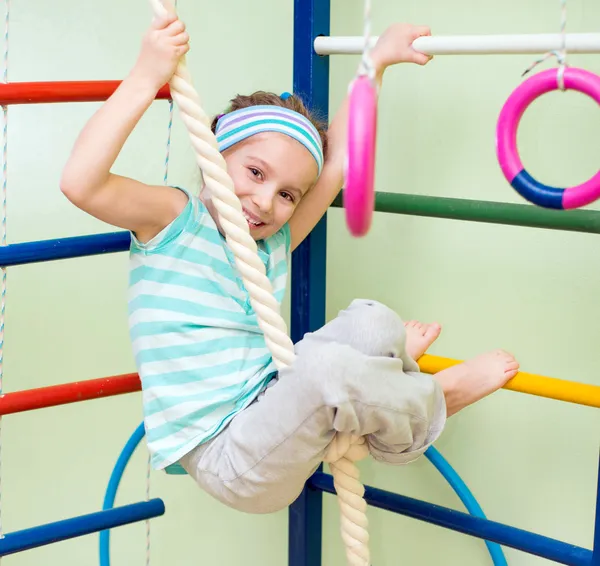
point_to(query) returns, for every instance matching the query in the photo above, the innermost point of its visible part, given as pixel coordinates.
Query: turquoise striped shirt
(199, 351)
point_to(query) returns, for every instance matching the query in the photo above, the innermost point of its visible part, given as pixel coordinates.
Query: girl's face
(271, 173)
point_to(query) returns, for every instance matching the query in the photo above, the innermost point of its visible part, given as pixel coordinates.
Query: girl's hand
(162, 47)
(395, 46)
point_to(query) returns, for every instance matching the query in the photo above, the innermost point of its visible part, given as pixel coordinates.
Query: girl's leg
(353, 375)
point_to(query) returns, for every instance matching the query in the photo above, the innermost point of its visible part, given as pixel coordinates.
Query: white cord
(366, 64)
(3, 241)
(166, 181)
(560, 54)
(562, 59)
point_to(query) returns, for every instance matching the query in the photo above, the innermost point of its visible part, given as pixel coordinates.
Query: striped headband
(238, 125)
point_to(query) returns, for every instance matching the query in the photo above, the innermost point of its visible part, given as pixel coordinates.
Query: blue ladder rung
(526, 541)
(80, 526)
(64, 248)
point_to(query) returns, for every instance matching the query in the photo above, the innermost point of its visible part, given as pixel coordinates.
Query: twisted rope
(560, 54)
(345, 449)
(3, 227)
(168, 153)
(366, 65)
(341, 455)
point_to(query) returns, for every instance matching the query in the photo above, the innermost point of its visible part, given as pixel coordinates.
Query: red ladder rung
(63, 91)
(53, 395)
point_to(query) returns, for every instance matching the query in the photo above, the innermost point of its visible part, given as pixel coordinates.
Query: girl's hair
(293, 102)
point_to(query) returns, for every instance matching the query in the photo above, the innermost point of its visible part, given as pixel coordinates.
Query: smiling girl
(213, 400)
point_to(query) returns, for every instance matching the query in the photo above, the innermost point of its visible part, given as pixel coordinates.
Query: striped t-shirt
(199, 351)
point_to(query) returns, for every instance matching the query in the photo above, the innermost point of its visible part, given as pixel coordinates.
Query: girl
(213, 400)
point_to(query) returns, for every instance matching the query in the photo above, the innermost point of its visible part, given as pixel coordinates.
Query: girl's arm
(87, 180)
(394, 46)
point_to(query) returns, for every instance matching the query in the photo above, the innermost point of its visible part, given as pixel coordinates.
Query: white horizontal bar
(472, 44)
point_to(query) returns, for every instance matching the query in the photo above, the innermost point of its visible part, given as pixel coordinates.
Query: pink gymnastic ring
(506, 140)
(359, 194)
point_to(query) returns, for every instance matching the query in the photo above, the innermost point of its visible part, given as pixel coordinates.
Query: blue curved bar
(434, 456)
(79, 526)
(536, 192)
(64, 248)
(467, 498)
(113, 487)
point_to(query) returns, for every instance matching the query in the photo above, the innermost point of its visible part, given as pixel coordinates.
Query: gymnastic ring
(359, 193)
(506, 140)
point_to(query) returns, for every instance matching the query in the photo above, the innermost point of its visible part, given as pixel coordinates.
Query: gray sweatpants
(353, 375)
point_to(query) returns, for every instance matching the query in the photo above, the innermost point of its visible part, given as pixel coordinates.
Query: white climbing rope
(345, 449)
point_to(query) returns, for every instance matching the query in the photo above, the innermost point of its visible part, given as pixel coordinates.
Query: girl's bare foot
(467, 383)
(419, 336)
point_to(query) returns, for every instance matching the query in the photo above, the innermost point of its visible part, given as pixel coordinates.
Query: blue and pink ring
(506, 140)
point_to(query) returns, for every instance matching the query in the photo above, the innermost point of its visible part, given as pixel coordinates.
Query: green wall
(531, 462)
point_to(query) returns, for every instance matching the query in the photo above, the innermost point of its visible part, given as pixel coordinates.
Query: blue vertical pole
(596, 554)
(311, 83)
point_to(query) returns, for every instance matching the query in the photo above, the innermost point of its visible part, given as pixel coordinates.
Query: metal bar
(79, 526)
(471, 44)
(311, 83)
(64, 248)
(54, 395)
(532, 543)
(63, 91)
(486, 211)
(523, 382)
(596, 555)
